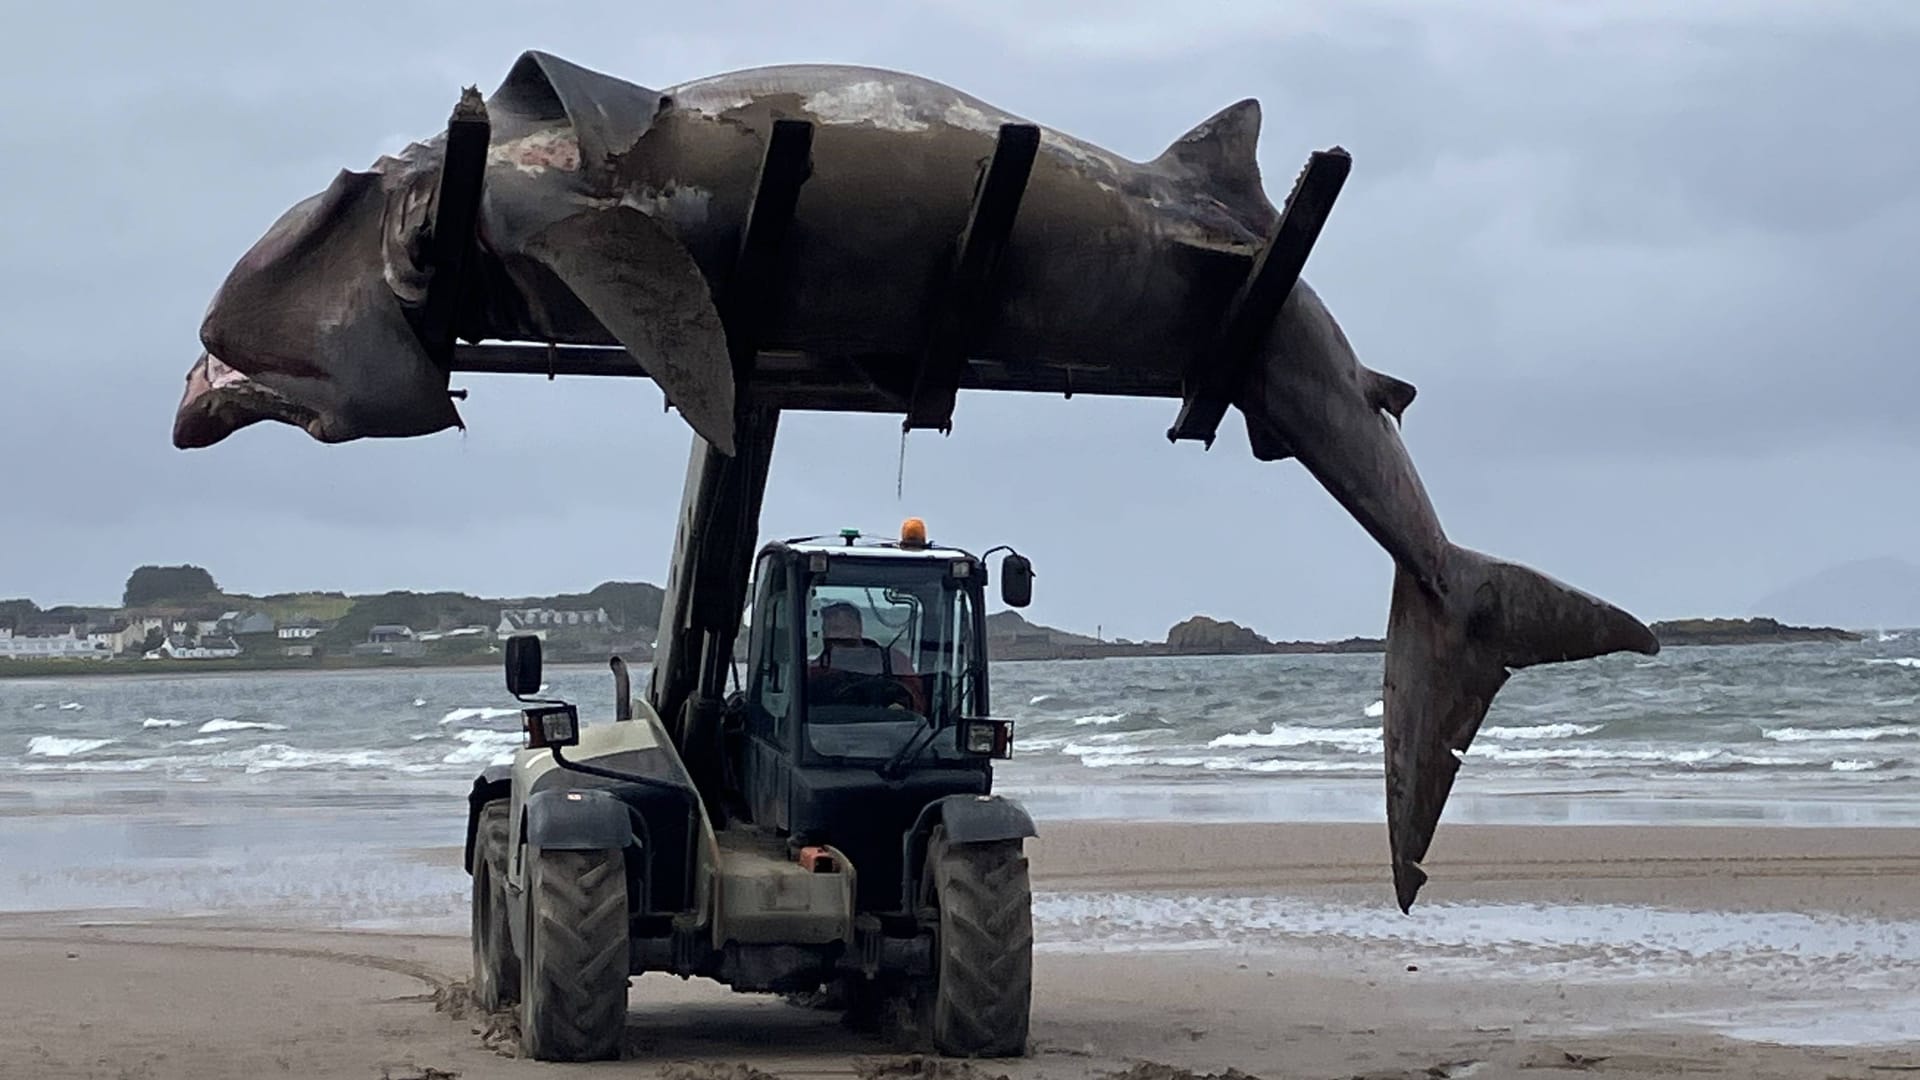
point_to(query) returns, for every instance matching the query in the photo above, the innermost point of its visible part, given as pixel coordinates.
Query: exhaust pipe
(622, 693)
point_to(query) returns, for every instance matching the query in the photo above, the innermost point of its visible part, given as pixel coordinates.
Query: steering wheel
(879, 690)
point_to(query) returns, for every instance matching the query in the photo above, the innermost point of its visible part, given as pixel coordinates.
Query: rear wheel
(496, 971)
(983, 950)
(573, 972)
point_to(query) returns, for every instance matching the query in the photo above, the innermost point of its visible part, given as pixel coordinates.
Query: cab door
(772, 697)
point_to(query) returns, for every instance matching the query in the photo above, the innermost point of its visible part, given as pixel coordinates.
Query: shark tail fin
(1448, 652)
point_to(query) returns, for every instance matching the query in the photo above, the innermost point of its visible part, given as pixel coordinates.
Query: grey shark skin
(612, 215)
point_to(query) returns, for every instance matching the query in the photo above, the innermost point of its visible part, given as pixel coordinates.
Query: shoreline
(1194, 949)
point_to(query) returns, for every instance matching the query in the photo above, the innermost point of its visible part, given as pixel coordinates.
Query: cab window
(770, 695)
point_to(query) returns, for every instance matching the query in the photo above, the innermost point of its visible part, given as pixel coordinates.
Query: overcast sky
(1649, 264)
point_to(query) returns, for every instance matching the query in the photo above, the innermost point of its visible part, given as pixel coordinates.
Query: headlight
(991, 738)
(979, 738)
(551, 725)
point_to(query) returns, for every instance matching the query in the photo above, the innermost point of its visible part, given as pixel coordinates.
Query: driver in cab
(850, 663)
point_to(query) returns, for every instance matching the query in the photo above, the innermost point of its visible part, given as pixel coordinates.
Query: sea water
(312, 796)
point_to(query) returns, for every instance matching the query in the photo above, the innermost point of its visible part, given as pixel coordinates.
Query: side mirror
(1016, 581)
(551, 725)
(523, 665)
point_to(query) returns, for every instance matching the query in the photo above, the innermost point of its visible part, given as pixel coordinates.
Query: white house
(523, 620)
(299, 630)
(117, 638)
(69, 645)
(205, 649)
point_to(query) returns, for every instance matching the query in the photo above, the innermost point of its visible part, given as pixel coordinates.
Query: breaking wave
(1846, 734)
(483, 748)
(238, 725)
(62, 746)
(468, 715)
(1279, 735)
(1540, 731)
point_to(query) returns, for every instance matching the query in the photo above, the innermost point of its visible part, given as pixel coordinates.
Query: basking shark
(617, 229)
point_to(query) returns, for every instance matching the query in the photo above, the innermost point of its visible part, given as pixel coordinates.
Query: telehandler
(830, 825)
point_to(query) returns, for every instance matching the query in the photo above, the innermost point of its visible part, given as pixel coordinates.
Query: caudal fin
(1448, 652)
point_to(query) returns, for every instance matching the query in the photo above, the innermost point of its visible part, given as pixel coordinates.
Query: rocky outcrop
(1201, 634)
(1743, 632)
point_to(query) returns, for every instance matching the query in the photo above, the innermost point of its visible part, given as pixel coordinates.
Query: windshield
(889, 647)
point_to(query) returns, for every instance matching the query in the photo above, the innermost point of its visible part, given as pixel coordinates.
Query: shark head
(313, 322)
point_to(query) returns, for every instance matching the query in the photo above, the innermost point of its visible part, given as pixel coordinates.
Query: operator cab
(865, 695)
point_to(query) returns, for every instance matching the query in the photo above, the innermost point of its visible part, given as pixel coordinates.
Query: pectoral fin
(646, 290)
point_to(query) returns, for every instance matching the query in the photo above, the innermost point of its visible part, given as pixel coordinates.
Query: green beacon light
(849, 535)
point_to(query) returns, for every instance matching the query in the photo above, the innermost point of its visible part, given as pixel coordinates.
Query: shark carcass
(840, 238)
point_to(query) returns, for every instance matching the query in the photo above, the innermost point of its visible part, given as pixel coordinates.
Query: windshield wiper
(894, 767)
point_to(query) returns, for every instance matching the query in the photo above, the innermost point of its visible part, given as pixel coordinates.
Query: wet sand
(1271, 949)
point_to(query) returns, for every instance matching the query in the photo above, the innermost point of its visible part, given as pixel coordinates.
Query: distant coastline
(177, 620)
(1016, 639)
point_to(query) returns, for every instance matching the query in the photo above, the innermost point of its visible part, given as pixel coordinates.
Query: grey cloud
(1649, 265)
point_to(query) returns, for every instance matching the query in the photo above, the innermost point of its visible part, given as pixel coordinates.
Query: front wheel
(496, 971)
(983, 949)
(573, 971)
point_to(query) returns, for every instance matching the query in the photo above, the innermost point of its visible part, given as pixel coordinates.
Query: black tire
(983, 950)
(573, 973)
(496, 970)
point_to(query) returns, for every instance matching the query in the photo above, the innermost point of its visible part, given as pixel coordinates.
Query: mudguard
(977, 819)
(494, 782)
(577, 820)
(970, 819)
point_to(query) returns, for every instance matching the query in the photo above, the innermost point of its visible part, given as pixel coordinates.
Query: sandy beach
(1269, 949)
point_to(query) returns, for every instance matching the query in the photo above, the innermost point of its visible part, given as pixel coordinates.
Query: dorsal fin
(1219, 153)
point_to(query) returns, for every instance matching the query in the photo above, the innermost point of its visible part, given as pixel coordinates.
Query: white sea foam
(1594, 757)
(1845, 734)
(150, 722)
(1540, 731)
(219, 724)
(61, 746)
(1377, 710)
(71, 706)
(38, 705)
(483, 748)
(1099, 720)
(1038, 698)
(1851, 765)
(210, 740)
(463, 716)
(418, 702)
(1360, 739)
(1897, 661)
(277, 757)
